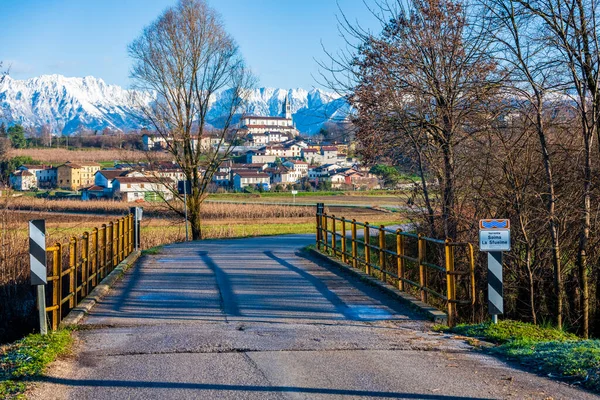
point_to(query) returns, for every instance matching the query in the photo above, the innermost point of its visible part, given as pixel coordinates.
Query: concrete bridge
(260, 319)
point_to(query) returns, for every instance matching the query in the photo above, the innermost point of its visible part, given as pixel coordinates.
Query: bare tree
(571, 29)
(185, 58)
(426, 77)
(530, 78)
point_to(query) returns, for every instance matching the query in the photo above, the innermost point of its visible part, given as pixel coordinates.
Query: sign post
(137, 218)
(37, 265)
(294, 193)
(494, 238)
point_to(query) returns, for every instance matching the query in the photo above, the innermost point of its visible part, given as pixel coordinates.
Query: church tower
(286, 110)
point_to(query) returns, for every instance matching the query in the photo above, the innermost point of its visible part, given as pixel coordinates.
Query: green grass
(377, 193)
(28, 358)
(506, 330)
(106, 164)
(546, 350)
(152, 251)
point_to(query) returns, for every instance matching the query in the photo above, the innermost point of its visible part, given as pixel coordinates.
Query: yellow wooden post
(354, 245)
(104, 258)
(382, 253)
(121, 247)
(450, 282)
(56, 300)
(59, 256)
(344, 259)
(114, 245)
(333, 236)
(95, 257)
(325, 233)
(73, 271)
(367, 240)
(422, 282)
(400, 258)
(85, 263)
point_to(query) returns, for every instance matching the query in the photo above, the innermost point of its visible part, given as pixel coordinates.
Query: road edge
(83, 308)
(435, 315)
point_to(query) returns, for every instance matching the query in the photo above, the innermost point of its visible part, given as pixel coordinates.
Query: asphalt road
(257, 319)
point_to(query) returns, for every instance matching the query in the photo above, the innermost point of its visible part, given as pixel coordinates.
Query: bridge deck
(256, 318)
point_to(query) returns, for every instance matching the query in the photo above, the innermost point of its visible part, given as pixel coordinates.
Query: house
(105, 178)
(259, 156)
(337, 179)
(361, 180)
(323, 170)
(45, 175)
(245, 178)
(324, 155)
(22, 180)
(153, 142)
(309, 155)
(221, 179)
(283, 175)
(74, 176)
(299, 166)
(93, 192)
(132, 189)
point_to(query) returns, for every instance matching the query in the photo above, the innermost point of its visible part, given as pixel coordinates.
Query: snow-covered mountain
(70, 104)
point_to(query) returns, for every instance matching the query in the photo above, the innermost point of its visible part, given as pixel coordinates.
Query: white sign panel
(494, 240)
(294, 192)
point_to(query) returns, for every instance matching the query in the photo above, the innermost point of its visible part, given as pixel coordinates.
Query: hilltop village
(269, 154)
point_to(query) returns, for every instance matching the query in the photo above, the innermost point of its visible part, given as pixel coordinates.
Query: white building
(131, 189)
(300, 166)
(245, 178)
(105, 179)
(284, 125)
(45, 175)
(22, 180)
(153, 142)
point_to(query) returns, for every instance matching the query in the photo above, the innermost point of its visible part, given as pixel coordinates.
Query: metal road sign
(485, 224)
(37, 251)
(496, 240)
(494, 235)
(184, 187)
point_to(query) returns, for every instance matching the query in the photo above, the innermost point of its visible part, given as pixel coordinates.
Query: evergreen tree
(16, 134)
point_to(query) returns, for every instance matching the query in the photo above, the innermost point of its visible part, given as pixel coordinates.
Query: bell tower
(287, 108)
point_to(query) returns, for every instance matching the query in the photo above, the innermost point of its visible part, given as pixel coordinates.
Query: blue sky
(279, 38)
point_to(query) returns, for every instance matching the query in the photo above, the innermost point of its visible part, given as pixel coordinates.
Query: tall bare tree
(185, 58)
(570, 27)
(427, 74)
(530, 79)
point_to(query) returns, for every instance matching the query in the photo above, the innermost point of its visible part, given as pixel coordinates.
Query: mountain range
(68, 105)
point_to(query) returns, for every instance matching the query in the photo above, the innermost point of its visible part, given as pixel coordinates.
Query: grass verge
(28, 358)
(546, 350)
(152, 251)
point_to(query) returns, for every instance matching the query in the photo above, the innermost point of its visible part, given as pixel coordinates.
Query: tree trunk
(448, 216)
(195, 217)
(430, 214)
(584, 236)
(553, 223)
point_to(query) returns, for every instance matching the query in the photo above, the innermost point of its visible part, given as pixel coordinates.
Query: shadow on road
(247, 388)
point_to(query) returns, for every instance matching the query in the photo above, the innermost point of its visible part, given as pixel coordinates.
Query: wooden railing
(423, 266)
(79, 265)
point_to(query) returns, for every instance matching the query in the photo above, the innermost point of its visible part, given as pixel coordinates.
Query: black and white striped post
(137, 218)
(37, 265)
(494, 238)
